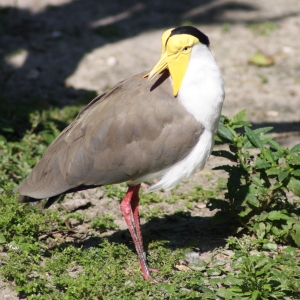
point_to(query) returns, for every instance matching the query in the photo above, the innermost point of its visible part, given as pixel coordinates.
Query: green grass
(43, 258)
(55, 268)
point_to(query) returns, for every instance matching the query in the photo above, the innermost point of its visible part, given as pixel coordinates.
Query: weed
(115, 191)
(258, 182)
(77, 216)
(189, 206)
(260, 275)
(103, 223)
(198, 194)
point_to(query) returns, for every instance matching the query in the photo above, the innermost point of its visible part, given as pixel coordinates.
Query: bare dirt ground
(58, 48)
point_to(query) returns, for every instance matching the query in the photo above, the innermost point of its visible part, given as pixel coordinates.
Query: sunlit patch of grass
(103, 223)
(115, 191)
(111, 271)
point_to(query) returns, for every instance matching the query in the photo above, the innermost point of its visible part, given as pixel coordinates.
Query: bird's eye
(185, 48)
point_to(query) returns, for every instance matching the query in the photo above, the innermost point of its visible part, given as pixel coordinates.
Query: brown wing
(134, 129)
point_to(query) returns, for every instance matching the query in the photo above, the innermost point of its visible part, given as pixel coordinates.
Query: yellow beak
(159, 67)
(177, 65)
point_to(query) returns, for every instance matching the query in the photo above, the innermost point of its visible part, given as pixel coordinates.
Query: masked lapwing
(155, 125)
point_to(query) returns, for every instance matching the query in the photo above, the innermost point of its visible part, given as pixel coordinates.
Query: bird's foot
(154, 270)
(150, 278)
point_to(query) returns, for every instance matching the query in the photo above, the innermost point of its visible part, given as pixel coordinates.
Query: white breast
(202, 95)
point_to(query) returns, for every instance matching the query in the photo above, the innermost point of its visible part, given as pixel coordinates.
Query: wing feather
(130, 131)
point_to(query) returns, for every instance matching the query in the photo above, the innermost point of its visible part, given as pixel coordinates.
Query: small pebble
(192, 256)
(272, 113)
(111, 61)
(17, 59)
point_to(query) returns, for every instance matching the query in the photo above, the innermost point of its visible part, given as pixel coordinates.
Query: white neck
(202, 89)
(202, 95)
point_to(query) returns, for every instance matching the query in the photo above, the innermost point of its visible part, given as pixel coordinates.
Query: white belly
(196, 159)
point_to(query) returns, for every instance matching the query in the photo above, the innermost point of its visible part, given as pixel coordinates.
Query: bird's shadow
(178, 230)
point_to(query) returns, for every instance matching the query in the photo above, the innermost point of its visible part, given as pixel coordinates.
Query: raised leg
(129, 208)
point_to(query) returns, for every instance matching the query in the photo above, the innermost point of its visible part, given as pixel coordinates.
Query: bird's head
(177, 44)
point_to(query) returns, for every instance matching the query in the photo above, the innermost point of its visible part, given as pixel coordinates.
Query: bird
(156, 127)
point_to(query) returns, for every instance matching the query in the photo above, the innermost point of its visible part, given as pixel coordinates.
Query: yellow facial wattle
(176, 50)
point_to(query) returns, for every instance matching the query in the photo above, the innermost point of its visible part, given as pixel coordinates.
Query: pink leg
(136, 218)
(129, 208)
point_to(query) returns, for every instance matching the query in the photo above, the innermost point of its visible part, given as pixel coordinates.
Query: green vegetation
(26, 129)
(259, 182)
(263, 28)
(247, 251)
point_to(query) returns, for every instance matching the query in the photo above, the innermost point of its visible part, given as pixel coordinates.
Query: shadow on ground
(54, 41)
(179, 230)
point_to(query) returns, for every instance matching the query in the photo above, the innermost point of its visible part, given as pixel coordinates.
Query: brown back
(133, 129)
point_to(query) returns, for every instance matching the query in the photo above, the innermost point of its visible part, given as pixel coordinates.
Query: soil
(63, 48)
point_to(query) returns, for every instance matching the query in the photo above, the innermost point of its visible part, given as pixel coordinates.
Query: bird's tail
(50, 201)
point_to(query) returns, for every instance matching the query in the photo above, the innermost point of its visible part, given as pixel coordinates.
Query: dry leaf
(68, 224)
(261, 60)
(182, 268)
